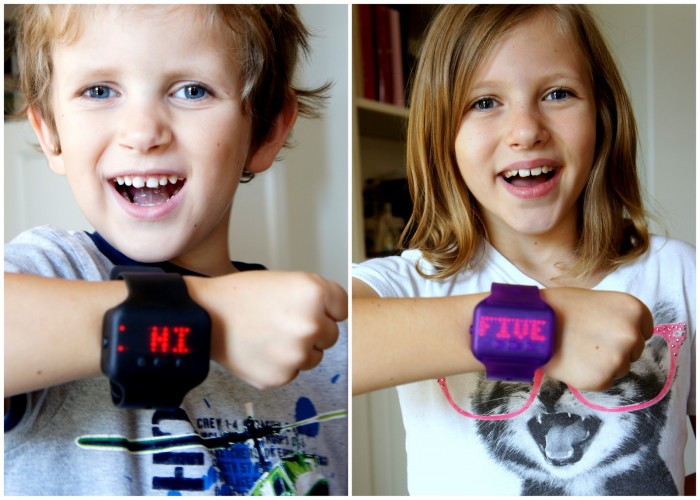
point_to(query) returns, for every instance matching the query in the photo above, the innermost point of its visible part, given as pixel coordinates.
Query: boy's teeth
(152, 182)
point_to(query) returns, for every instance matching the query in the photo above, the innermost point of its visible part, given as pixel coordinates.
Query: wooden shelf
(381, 120)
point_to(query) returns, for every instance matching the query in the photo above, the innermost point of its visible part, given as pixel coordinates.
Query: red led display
(169, 340)
(505, 328)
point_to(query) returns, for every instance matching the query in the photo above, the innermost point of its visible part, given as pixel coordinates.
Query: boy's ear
(46, 140)
(266, 153)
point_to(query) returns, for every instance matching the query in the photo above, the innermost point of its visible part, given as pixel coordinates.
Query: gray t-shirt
(227, 438)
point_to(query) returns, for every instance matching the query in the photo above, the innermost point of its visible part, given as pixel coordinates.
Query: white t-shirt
(558, 446)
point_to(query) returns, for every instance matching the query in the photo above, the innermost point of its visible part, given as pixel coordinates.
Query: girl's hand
(599, 334)
(267, 326)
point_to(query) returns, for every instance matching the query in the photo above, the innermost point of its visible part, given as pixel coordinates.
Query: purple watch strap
(511, 372)
(516, 295)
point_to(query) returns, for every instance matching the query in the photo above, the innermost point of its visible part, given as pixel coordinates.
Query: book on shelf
(382, 54)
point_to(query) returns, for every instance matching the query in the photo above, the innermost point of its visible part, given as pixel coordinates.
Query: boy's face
(526, 144)
(146, 96)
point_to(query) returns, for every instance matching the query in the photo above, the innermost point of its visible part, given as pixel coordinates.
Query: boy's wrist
(200, 290)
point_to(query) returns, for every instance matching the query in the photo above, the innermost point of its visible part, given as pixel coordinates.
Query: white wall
(292, 217)
(655, 49)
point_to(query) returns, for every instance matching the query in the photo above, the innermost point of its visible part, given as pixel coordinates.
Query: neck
(207, 266)
(543, 257)
(210, 255)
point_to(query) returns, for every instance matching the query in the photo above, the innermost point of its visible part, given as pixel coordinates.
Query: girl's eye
(99, 92)
(484, 104)
(191, 92)
(558, 95)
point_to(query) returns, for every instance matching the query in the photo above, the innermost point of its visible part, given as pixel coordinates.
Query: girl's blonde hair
(266, 40)
(446, 223)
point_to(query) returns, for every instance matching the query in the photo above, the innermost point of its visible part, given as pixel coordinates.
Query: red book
(385, 79)
(368, 51)
(396, 57)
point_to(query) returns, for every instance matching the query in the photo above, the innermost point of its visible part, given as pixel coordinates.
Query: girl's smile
(531, 179)
(526, 143)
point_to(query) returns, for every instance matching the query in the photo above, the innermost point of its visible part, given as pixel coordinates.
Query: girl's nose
(526, 129)
(144, 127)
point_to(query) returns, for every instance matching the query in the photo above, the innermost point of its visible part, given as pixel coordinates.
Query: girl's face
(526, 142)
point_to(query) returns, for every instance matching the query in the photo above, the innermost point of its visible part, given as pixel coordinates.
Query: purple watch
(513, 332)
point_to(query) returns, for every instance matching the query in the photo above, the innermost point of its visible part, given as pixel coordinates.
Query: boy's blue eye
(191, 92)
(98, 92)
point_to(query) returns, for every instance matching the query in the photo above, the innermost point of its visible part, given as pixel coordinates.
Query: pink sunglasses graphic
(674, 334)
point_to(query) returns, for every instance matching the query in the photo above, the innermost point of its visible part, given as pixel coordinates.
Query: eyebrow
(489, 84)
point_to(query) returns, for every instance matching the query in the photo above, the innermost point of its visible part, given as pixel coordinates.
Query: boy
(155, 114)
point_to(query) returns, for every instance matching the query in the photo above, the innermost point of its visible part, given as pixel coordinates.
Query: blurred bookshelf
(386, 41)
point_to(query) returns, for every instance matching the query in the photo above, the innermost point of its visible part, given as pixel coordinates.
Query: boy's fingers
(328, 337)
(313, 360)
(336, 301)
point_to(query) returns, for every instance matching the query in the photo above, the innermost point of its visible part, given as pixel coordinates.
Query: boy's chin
(143, 250)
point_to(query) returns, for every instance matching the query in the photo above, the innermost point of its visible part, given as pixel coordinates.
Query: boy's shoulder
(53, 252)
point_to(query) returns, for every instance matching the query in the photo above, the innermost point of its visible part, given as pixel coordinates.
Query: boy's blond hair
(446, 223)
(267, 40)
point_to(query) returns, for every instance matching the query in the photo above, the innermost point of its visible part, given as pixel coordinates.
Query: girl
(522, 169)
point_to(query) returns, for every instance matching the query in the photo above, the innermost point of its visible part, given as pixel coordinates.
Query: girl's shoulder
(395, 276)
(668, 249)
(412, 275)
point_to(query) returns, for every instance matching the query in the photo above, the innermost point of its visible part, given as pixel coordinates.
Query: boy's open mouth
(148, 191)
(529, 177)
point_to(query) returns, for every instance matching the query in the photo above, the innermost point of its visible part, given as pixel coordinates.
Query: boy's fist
(267, 325)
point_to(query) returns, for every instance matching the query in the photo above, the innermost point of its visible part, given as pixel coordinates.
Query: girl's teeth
(544, 169)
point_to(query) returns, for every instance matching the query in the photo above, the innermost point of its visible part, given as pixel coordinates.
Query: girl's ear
(266, 153)
(46, 140)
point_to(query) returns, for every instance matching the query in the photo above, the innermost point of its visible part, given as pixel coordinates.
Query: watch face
(146, 341)
(164, 340)
(513, 334)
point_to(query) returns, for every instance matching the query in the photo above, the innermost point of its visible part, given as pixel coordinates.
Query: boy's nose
(525, 128)
(144, 129)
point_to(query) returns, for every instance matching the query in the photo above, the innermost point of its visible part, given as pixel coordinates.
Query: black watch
(155, 344)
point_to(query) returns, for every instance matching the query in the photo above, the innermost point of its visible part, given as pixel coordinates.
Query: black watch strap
(166, 381)
(167, 289)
